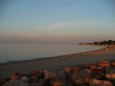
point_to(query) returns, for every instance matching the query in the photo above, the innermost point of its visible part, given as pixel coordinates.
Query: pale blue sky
(56, 21)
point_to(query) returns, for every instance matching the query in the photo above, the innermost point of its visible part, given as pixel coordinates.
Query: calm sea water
(11, 52)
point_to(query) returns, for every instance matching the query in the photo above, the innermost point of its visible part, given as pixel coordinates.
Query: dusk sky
(56, 21)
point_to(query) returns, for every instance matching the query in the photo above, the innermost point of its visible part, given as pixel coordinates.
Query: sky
(56, 21)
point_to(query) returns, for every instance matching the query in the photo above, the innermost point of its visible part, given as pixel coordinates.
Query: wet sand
(56, 63)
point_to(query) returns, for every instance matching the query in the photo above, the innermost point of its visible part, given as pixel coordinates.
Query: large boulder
(68, 71)
(104, 63)
(95, 82)
(81, 77)
(110, 73)
(16, 83)
(113, 64)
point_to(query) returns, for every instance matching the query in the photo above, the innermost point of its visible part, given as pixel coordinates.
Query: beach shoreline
(24, 52)
(58, 62)
(80, 53)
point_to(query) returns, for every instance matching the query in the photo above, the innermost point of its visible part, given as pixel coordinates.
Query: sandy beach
(56, 63)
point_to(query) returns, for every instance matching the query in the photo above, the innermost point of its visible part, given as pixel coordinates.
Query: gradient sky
(56, 21)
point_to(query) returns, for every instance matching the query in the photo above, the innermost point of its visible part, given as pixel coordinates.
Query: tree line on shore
(105, 42)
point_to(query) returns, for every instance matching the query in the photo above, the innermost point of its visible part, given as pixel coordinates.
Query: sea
(20, 52)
